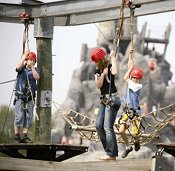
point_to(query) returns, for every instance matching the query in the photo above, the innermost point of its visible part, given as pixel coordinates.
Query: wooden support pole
(43, 32)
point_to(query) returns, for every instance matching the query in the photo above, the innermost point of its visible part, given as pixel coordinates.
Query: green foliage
(6, 124)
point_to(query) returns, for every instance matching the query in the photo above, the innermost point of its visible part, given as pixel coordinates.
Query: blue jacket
(22, 86)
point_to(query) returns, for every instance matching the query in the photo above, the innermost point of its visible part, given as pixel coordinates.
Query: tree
(6, 124)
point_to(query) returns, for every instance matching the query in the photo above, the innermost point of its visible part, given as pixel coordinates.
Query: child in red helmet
(105, 79)
(133, 77)
(25, 96)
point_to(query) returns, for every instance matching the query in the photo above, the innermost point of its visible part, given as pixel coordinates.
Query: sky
(66, 49)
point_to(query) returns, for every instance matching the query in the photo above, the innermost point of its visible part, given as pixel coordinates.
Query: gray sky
(66, 46)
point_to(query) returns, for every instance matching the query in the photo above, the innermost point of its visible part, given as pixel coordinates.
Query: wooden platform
(36, 165)
(47, 152)
(153, 164)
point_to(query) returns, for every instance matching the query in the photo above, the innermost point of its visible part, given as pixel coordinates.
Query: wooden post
(43, 32)
(167, 35)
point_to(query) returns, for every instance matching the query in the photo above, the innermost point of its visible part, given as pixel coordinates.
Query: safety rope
(132, 28)
(25, 18)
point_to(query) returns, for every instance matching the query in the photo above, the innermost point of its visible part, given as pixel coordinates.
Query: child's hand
(127, 3)
(105, 71)
(131, 49)
(26, 54)
(31, 63)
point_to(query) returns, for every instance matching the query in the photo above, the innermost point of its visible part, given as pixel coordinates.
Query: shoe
(26, 140)
(137, 145)
(18, 139)
(106, 157)
(127, 151)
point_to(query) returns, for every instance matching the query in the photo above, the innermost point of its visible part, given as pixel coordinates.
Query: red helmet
(32, 56)
(97, 54)
(137, 73)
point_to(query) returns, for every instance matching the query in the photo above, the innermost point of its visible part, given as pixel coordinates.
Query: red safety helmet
(137, 73)
(97, 54)
(32, 56)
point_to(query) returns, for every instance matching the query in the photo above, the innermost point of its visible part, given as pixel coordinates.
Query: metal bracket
(46, 97)
(44, 10)
(73, 19)
(159, 152)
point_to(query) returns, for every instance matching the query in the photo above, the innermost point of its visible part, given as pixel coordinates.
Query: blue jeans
(105, 127)
(23, 117)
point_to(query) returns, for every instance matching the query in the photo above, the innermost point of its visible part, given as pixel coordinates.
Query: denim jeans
(23, 117)
(105, 127)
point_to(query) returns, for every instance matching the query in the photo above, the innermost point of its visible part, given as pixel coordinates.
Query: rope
(132, 28)
(25, 18)
(33, 101)
(101, 32)
(119, 27)
(5, 82)
(26, 37)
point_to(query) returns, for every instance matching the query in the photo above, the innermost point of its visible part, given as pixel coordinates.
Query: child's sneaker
(26, 140)
(127, 151)
(137, 145)
(18, 139)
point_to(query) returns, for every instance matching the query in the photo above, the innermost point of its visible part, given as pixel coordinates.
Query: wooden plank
(30, 165)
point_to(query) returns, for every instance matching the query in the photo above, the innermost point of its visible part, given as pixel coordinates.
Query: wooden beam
(43, 32)
(113, 14)
(75, 12)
